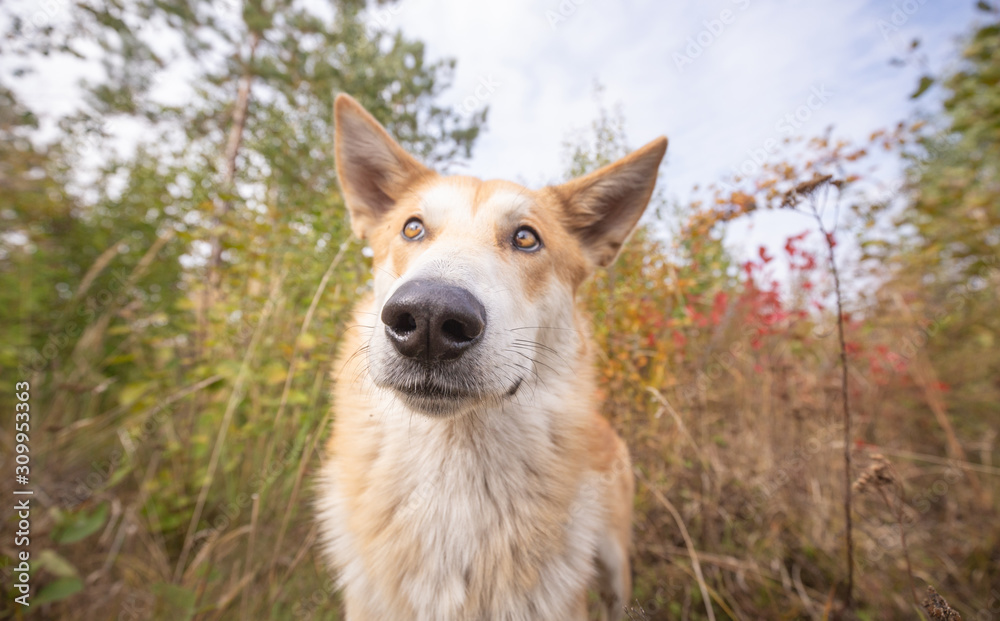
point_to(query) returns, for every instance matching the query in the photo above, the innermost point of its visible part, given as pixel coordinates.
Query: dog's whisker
(537, 362)
(540, 328)
(358, 326)
(392, 275)
(515, 364)
(540, 346)
(539, 354)
(518, 347)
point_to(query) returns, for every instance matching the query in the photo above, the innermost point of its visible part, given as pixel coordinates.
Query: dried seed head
(636, 613)
(878, 474)
(938, 608)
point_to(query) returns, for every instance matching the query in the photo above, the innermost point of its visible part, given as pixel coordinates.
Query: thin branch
(898, 514)
(248, 572)
(233, 144)
(848, 533)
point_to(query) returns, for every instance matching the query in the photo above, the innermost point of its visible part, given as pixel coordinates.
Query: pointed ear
(374, 171)
(603, 207)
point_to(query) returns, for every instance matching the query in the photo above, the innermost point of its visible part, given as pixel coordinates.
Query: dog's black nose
(432, 321)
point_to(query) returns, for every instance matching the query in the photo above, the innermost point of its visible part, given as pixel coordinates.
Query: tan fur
(512, 506)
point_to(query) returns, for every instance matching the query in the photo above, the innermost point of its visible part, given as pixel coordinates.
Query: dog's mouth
(438, 399)
(430, 390)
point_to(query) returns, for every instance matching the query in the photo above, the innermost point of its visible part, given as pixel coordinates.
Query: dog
(470, 475)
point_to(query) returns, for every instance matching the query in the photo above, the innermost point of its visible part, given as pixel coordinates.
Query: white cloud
(763, 64)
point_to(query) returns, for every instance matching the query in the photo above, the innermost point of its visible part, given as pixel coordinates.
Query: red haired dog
(470, 475)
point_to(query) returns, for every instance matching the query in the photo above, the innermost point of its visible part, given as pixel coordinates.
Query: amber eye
(526, 239)
(413, 230)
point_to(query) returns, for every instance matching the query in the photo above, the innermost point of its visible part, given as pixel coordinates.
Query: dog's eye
(526, 239)
(413, 230)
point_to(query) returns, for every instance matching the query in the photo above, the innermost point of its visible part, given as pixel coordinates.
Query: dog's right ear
(374, 171)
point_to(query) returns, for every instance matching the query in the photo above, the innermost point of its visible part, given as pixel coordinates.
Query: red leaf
(719, 307)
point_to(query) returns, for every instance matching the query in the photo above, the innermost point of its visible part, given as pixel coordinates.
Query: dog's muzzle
(431, 321)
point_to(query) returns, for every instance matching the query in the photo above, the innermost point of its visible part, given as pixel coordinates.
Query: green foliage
(79, 525)
(57, 590)
(173, 602)
(953, 217)
(955, 176)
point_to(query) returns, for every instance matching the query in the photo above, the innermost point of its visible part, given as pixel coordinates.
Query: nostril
(404, 324)
(456, 331)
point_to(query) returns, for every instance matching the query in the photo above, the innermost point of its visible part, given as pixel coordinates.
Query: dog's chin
(436, 406)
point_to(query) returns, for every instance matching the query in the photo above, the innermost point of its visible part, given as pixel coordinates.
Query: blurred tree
(946, 276)
(954, 176)
(35, 210)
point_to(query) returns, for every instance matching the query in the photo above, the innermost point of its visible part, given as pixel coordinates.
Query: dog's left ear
(603, 207)
(374, 171)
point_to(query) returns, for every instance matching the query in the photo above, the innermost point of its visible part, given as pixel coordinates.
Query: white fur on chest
(463, 501)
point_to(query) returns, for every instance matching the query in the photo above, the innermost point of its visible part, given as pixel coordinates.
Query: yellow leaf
(131, 393)
(306, 341)
(275, 372)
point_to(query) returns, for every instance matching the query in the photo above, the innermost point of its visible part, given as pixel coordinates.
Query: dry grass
(736, 438)
(753, 462)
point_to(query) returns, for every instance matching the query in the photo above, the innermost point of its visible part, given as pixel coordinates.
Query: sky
(721, 79)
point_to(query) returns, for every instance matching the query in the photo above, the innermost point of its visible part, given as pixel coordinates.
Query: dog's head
(475, 280)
